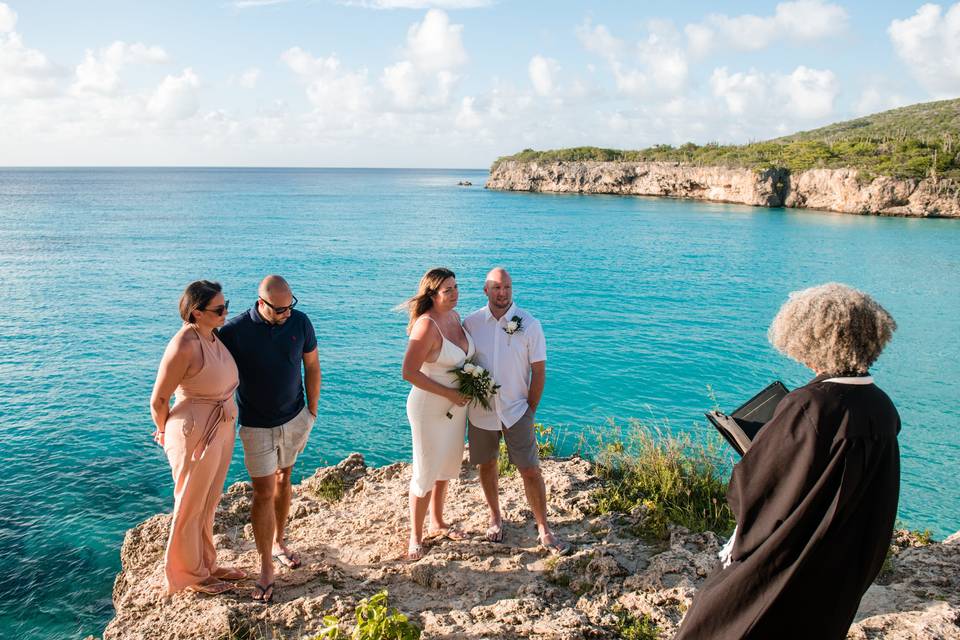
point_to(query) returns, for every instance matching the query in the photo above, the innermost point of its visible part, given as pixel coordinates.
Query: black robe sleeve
(775, 475)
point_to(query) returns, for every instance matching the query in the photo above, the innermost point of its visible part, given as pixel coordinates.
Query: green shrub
(375, 620)
(661, 478)
(546, 440)
(331, 488)
(630, 627)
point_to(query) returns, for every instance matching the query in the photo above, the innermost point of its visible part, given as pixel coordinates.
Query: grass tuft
(331, 488)
(660, 478)
(630, 627)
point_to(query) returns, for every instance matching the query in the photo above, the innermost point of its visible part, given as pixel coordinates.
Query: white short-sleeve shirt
(508, 358)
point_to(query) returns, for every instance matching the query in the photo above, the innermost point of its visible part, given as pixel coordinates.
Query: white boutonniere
(514, 325)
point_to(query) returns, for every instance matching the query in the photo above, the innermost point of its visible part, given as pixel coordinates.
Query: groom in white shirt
(511, 346)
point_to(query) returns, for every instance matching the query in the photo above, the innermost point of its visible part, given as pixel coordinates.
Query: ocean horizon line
(236, 167)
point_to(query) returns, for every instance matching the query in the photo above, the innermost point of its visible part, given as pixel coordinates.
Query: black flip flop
(263, 592)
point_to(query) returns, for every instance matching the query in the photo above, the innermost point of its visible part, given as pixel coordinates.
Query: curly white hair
(832, 328)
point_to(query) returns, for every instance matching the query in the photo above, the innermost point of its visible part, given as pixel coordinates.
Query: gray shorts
(520, 438)
(266, 449)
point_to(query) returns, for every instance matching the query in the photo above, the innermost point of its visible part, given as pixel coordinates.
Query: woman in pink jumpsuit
(197, 434)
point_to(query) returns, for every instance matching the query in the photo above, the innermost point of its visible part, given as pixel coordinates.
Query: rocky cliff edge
(841, 190)
(352, 547)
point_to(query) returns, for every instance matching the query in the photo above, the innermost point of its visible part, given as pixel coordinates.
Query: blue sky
(445, 83)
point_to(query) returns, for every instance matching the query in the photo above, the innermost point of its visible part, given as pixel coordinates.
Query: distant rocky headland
(349, 522)
(904, 162)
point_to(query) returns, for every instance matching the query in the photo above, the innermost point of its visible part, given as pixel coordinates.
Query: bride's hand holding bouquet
(475, 384)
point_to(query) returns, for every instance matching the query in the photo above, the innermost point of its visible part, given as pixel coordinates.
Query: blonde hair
(832, 328)
(423, 301)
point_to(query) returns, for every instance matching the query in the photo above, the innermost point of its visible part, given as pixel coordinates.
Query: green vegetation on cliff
(919, 141)
(660, 478)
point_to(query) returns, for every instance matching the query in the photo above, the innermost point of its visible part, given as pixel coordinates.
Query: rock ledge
(353, 547)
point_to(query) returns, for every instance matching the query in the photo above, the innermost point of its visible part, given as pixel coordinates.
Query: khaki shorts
(266, 449)
(520, 438)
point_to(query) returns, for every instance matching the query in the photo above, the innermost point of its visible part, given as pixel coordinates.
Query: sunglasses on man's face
(281, 310)
(222, 309)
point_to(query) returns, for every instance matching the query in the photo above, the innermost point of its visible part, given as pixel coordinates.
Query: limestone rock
(353, 547)
(668, 179)
(842, 190)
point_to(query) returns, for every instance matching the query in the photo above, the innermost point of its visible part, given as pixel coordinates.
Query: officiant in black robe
(815, 496)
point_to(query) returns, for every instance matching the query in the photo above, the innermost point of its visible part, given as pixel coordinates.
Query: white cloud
(446, 81)
(810, 92)
(663, 55)
(24, 72)
(800, 21)
(929, 42)
(435, 44)
(874, 99)
(249, 78)
(246, 4)
(425, 79)
(467, 116)
(332, 91)
(699, 39)
(599, 40)
(176, 97)
(542, 71)
(8, 18)
(100, 72)
(418, 4)
(739, 90)
(403, 82)
(805, 93)
(655, 64)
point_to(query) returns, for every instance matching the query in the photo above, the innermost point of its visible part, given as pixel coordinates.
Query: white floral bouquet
(474, 382)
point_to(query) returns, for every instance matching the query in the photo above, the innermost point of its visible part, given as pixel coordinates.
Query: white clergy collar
(851, 380)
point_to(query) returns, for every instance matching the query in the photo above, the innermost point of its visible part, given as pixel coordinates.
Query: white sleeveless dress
(437, 439)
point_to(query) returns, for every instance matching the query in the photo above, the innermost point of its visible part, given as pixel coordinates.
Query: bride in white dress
(438, 343)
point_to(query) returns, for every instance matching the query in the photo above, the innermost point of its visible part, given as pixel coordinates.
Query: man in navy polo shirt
(269, 342)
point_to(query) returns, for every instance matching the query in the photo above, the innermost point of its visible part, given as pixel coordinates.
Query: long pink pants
(198, 486)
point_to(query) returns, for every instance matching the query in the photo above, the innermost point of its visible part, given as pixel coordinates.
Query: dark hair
(429, 285)
(196, 296)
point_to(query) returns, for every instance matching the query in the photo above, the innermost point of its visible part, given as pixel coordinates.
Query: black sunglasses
(281, 310)
(222, 309)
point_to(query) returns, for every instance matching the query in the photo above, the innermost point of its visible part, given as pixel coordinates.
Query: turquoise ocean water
(645, 302)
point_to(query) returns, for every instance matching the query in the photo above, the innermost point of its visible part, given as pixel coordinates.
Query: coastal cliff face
(841, 190)
(352, 548)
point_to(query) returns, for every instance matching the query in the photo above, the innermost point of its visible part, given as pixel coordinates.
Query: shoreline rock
(840, 190)
(353, 546)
